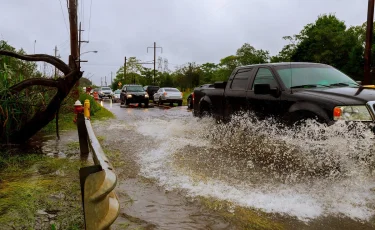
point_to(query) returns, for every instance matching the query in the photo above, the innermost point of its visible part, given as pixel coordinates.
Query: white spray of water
(316, 171)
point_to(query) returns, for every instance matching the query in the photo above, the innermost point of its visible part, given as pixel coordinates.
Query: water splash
(307, 172)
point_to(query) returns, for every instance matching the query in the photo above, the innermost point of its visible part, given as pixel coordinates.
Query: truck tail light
(192, 96)
(165, 93)
(182, 94)
(337, 112)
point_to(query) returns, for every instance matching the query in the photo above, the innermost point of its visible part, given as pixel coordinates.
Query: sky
(188, 30)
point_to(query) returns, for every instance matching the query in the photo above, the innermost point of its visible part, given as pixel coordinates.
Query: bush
(94, 106)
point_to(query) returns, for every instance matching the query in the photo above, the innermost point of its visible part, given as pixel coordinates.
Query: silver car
(116, 95)
(168, 95)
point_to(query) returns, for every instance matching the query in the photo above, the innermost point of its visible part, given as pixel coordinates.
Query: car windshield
(118, 91)
(135, 88)
(305, 76)
(171, 90)
(106, 88)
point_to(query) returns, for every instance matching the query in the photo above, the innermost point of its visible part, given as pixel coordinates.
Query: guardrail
(100, 203)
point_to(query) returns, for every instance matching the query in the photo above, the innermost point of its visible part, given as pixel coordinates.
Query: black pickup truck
(290, 92)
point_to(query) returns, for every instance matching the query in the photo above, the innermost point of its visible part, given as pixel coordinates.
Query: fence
(100, 203)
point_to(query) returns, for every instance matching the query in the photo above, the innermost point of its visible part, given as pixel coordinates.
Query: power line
(89, 21)
(62, 11)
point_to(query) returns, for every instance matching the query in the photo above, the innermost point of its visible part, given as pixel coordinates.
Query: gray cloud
(188, 30)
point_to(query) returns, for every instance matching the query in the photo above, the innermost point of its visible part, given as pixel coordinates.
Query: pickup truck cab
(288, 91)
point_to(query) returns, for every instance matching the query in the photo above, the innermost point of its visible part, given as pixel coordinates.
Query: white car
(116, 95)
(105, 92)
(168, 95)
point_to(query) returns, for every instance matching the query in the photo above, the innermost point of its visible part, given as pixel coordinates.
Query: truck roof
(282, 64)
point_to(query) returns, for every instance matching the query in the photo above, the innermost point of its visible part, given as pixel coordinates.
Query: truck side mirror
(262, 89)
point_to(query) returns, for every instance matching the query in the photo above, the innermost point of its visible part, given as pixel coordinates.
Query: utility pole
(125, 70)
(101, 81)
(105, 80)
(111, 78)
(369, 33)
(155, 57)
(73, 32)
(79, 46)
(56, 56)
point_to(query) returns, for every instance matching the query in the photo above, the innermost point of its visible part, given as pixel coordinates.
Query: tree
(84, 82)
(133, 70)
(247, 55)
(14, 93)
(208, 72)
(285, 55)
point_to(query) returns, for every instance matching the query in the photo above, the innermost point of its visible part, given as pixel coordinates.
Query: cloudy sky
(188, 30)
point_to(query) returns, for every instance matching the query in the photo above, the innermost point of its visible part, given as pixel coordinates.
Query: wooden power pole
(55, 66)
(369, 33)
(125, 71)
(73, 33)
(155, 57)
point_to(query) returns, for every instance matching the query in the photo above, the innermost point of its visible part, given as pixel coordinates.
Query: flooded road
(314, 178)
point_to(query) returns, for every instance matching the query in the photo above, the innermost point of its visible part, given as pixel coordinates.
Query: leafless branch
(34, 81)
(40, 57)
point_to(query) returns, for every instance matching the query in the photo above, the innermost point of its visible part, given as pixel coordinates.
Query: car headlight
(352, 113)
(129, 96)
(146, 95)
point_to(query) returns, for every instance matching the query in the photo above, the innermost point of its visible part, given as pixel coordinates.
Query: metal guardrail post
(100, 203)
(82, 136)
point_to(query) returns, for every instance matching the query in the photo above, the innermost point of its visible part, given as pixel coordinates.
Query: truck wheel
(205, 111)
(121, 102)
(180, 103)
(146, 104)
(126, 102)
(159, 101)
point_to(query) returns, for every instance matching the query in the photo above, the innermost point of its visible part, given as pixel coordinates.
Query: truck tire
(180, 103)
(126, 102)
(159, 101)
(146, 104)
(205, 111)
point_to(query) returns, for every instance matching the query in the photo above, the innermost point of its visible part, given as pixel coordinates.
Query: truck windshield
(135, 88)
(313, 75)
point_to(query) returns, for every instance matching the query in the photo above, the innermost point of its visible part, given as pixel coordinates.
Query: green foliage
(133, 73)
(328, 41)
(16, 110)
(84, 82)
(94, 106)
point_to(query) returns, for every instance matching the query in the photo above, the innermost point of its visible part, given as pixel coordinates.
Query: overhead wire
(89, 22)
(62, 11)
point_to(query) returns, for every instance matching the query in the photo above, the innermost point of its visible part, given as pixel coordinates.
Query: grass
(66, 119)
(242, 218)
(32, 183)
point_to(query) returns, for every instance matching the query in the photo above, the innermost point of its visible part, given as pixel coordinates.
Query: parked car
(116, 95)
(290, 92)
(168, 95)
(190, 98)
(133, 94)
(105, 92)
(151, 90)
